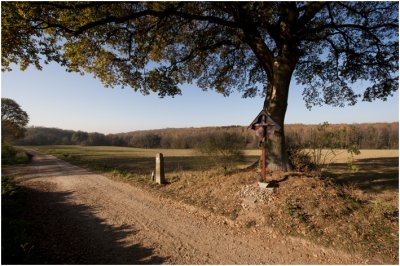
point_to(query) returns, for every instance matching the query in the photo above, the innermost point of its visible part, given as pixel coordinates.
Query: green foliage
(7, 151)
(352, 150)
(13, 120)
(11, 156)
(16, 243)
(252, 47)
(8, 187)
(224, 46)
(80, 137)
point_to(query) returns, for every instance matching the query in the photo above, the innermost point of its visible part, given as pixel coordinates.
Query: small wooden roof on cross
(267, 122)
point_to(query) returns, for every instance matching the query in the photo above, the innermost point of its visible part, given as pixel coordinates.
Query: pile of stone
(251, 195)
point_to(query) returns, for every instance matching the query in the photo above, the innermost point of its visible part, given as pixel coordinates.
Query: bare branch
(159, 14)
(70, 6)
(310, 10)
(205, 48)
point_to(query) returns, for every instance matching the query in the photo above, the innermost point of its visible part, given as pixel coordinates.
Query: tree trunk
(275, 105)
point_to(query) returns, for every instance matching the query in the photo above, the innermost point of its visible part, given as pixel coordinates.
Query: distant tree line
(56, 136)
(365, 136)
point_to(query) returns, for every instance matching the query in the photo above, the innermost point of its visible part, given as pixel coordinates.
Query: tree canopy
(253, 47)
(220, 45)
(13, 120)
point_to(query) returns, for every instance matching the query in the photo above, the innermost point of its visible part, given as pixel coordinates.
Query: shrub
(222, 148)
(10, 155)
(321, 150)
(7, 151)
(300, 159)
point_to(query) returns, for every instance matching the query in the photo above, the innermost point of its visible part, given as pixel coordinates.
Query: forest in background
(364, 136)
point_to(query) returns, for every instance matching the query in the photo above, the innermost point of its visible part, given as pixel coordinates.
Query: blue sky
(54, 98)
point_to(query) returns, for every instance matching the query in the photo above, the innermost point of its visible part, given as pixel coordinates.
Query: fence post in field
(160, 177)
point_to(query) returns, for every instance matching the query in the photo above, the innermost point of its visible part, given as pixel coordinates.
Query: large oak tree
(13, 120)
(253, 47)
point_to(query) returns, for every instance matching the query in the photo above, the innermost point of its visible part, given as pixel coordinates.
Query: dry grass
(353, 211)
(121, 152)
(342, 156)
(339, 216)
(377, 176)
(135, 160)
(344, 217)
(129, 152)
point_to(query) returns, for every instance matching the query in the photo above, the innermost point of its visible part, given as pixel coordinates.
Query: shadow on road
(65, 233)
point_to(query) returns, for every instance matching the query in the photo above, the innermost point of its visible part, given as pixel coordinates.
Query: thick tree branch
(310, 10)
(359, 27)
(254, 39)
(159, 14)
(70, 6)
(210, 19)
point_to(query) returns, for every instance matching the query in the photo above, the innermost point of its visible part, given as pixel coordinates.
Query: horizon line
(221, 126)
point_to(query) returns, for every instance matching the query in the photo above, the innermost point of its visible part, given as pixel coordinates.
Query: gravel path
(84, 218)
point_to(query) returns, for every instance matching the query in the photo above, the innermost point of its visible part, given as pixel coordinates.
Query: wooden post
(263, 163)
(160, 177)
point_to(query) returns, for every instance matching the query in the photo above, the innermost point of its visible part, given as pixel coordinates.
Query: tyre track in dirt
(89, 218)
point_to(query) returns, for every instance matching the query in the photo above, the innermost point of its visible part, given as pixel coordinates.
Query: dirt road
(85, 218)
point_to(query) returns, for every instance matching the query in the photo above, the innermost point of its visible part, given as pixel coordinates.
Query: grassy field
(139, 161)
(341, 156)
(142, 160)
(127, 152)
(373, 171)
(355, 210)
